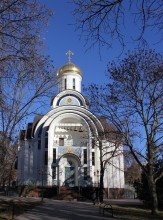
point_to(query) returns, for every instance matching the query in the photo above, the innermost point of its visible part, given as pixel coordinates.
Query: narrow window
(93, 158)
(54, 173)
(39, 133)
(39, 144)
(46, 137)
(61, 141)
(65, 83)
(93, 143)
(46, 133)
(85, 156)
(46, 157)
(46, 142)
(73, 83)
(85, 173)
(54, 155)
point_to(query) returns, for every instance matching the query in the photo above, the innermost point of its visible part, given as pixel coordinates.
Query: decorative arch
(72, 93)
(68, 169)
(71, 155)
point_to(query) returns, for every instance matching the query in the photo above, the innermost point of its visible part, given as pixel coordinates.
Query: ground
(33, 208)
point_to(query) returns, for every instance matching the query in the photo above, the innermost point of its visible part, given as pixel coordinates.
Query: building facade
(62, 147)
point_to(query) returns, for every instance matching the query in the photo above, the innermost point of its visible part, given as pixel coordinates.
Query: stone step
(67, 193)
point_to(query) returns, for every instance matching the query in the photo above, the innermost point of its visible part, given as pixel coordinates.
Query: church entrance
(69, 176)
(69, 170)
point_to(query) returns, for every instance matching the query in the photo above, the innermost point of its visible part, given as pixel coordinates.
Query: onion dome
(69, 67)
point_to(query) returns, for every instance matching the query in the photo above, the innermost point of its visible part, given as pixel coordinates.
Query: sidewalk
(62, 210)
(59, 210)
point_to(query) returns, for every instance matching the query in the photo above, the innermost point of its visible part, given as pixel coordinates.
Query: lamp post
(98, 175)
(94, 179)
(107, 183)
(79, 173)
(42, 181)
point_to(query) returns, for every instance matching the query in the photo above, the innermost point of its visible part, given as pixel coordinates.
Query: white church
(61, 148)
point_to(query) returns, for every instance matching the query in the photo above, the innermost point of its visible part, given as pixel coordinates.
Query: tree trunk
(152, 188)
(101, 174)
(101, 195)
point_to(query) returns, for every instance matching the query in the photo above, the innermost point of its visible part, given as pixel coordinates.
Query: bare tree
(109, 143)
(21, 24)
(27, 76)
(133, 102)
(104, 22)
(132, 168)
(8, 161)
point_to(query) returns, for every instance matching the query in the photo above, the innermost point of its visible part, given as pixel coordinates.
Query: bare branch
(105, 22)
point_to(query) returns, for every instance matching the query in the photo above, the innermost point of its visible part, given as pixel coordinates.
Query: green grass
(135, 213)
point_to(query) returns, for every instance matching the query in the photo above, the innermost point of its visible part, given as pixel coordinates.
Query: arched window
(39, 138)
(46, 158)
(46, 137)
(73, 83)
(85, 156)
(65, 83)
(54, 155)
(40, 132)
(93, 158)
(54, 173)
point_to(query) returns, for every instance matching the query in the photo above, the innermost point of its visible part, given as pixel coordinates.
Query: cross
(69, 54)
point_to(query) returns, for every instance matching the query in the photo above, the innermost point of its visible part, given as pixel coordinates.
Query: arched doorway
(70, 173)
(69, 165)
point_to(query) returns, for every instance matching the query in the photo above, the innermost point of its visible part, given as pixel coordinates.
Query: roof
(69, 67)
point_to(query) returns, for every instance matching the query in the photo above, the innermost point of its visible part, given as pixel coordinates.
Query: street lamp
(98, 175)
(79, 180)
(94, 179)
(42, 182)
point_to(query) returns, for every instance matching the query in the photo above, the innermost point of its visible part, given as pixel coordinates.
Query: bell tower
(69, 76)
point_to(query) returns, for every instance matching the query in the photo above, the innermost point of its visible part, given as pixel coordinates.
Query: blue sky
(61, 36)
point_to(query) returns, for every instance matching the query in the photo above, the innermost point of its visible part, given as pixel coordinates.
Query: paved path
(59, 210)
(62, 210)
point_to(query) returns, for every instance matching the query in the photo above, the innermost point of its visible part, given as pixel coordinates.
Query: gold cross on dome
(69, 54)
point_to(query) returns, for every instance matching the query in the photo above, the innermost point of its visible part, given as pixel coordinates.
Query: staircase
(67, 193)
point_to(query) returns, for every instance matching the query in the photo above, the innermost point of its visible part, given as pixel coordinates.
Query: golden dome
(69, 67)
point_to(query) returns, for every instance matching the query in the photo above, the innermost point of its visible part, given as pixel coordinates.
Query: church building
(62, 147)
